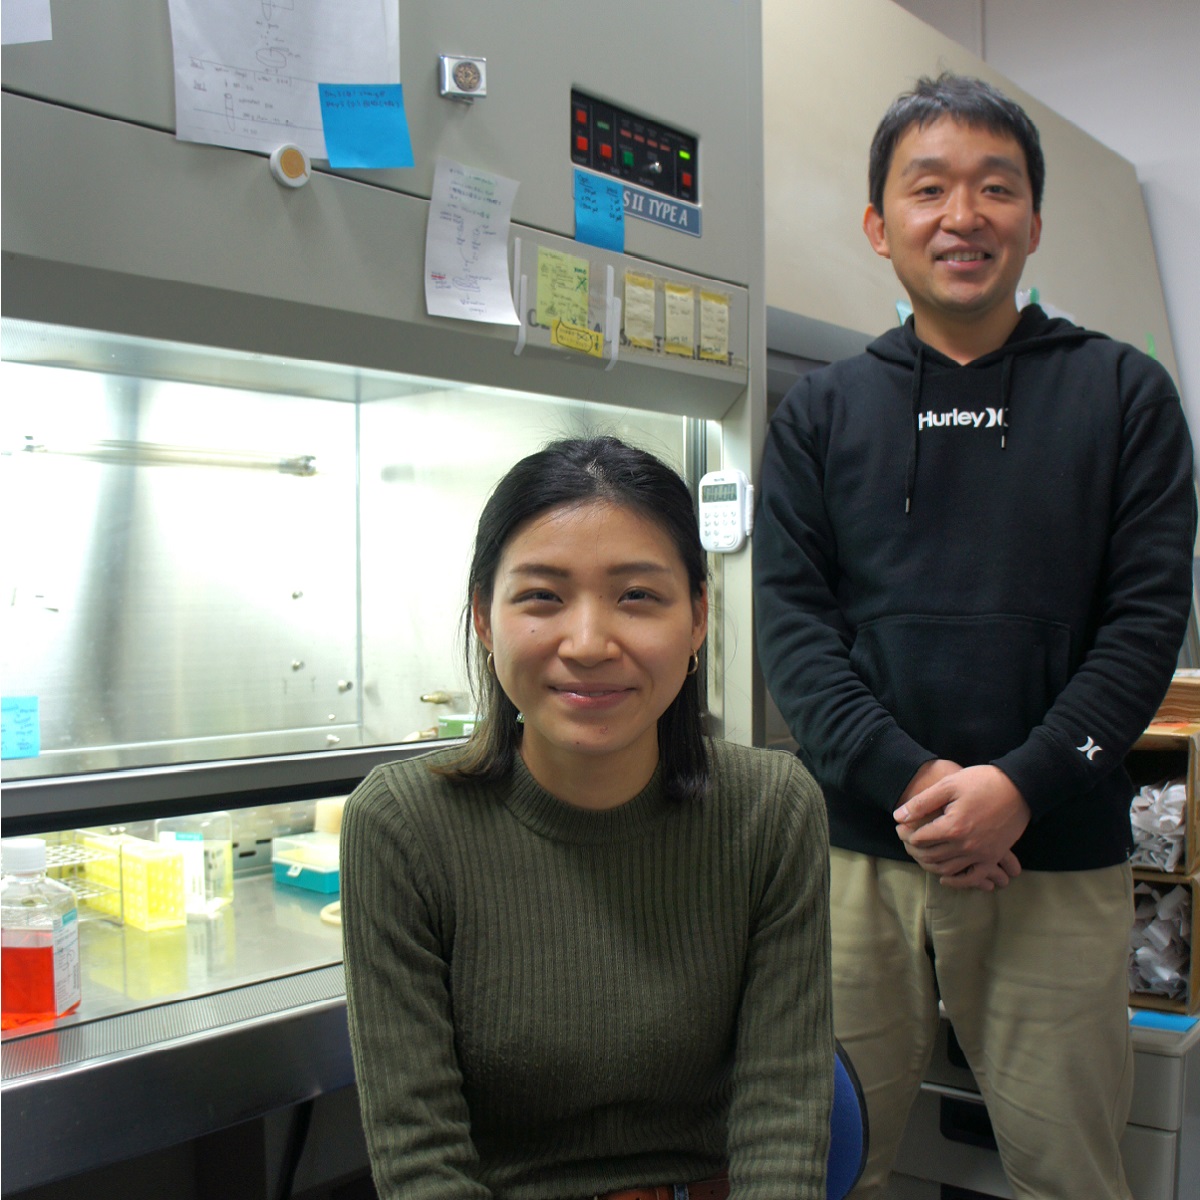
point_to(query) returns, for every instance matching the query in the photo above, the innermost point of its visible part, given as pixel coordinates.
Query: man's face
(957, 222)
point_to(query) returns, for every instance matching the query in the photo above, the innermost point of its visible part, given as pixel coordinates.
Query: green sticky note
(562, 288)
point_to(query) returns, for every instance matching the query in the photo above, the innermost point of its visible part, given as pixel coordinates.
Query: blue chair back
(848, 1139)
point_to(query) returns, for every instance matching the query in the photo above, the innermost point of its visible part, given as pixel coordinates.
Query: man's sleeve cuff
(884, 766)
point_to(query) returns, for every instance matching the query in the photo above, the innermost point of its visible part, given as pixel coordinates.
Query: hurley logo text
(986, 419)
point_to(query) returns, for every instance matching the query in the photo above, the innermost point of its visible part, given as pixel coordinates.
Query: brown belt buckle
(675, 1191)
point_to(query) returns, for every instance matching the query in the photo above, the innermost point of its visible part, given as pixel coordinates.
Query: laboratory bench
(216, 1055)
(197, 1052)
(212, 1060)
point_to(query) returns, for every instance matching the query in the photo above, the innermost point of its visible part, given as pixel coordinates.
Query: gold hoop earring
(491, 664)
(693, 663)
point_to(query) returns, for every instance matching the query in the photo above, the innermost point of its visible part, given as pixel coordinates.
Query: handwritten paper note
(599, 211)
(365, 125)
(247, 74)
(714, 326)
(639, 310)
(466, 245)
(562, 288)
(680, 319)
(577, 338)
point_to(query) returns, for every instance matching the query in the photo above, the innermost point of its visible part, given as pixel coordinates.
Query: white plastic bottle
(206, 840)
(39, 938)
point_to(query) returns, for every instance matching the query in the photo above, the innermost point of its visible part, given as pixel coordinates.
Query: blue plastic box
(307, 860)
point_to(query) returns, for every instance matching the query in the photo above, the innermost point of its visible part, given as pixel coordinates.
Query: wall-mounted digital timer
(726, 511)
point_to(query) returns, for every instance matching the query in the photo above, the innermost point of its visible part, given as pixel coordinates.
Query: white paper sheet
(246, 71)
(1160, 943)
(25, 21)
(466, 245)
(1158, 815)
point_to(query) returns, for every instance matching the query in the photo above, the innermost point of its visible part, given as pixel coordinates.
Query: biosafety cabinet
(242, 463)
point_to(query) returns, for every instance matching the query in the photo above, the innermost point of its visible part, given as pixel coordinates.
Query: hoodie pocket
(967, 688)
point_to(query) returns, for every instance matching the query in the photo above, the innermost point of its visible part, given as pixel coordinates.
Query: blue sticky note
(600, 212)
(365, 125)
(20, 727)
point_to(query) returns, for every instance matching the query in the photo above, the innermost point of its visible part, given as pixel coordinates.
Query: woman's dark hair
(968, 101)
(571, 472)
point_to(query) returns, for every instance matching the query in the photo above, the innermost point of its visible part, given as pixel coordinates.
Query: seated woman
(588, 951)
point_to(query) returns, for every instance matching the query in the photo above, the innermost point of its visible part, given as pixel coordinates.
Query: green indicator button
(627, 156)
(684, 155)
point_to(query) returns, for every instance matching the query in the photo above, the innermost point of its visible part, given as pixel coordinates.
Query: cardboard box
(1162, 885)
(1172, 752)
(1182, 701)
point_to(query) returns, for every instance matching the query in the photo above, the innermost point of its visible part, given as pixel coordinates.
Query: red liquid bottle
(39, 938)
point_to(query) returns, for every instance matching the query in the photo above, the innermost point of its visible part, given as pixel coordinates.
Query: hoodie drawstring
(1005, 384)
(915, 404)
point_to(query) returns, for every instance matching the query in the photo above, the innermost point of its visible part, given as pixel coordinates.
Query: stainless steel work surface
(180, 1032)
(269, 930)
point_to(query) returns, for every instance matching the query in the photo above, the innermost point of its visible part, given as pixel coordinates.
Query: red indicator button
(581, 144)
(686, 179)
(581, 116)
(605, 150)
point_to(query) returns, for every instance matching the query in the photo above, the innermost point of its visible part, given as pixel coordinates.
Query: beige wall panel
(830, 71)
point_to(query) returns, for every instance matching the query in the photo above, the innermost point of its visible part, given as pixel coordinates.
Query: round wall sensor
(290, 165)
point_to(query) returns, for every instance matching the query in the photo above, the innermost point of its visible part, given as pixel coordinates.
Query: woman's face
(592, 624)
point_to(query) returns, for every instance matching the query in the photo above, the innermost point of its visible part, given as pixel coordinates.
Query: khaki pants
(1034, 981)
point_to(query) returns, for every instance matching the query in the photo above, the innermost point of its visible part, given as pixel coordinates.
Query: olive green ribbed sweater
(552, 1002)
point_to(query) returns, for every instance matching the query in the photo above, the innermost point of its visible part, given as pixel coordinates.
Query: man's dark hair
(968, 101)
(571, 472)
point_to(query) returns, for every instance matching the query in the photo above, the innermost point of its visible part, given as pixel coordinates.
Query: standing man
(973, 575)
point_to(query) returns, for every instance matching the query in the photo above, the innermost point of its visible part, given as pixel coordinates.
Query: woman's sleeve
(394, 928)
(783, 1066)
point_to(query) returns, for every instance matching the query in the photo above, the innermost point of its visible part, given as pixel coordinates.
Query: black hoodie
(988, 563)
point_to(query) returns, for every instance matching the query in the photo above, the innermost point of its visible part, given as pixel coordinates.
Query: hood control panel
(636, 149)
